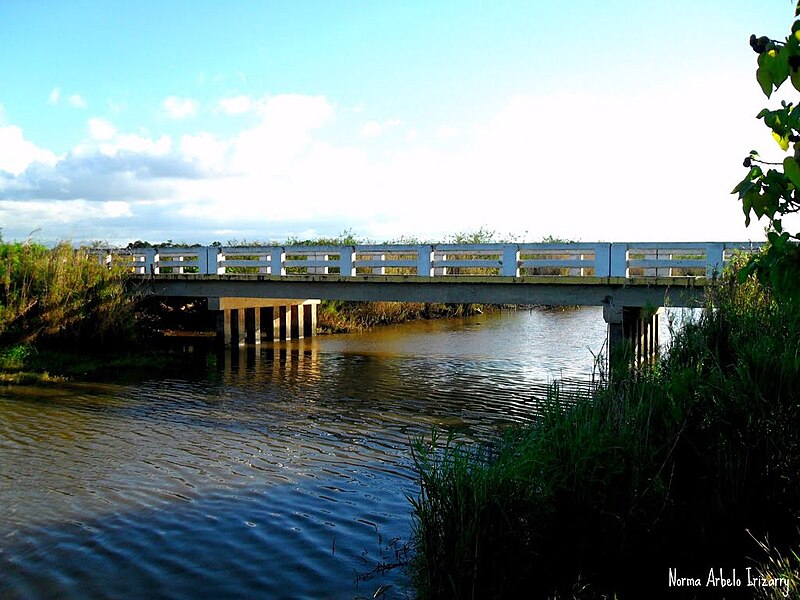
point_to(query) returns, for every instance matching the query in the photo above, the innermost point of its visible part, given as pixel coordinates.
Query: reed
(667, 467)
(61, 296)
(346, 316)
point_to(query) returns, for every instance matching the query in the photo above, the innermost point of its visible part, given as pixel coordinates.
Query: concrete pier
(241, 321)
(634, 331)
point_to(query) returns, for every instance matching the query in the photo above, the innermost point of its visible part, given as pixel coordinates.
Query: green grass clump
(61, 296)
(671, 467)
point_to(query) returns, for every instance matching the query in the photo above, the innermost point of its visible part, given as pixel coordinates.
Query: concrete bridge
(283, 284)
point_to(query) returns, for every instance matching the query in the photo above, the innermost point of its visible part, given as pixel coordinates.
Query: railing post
(145, 266)
(346, 260)
(619, 260)
(715, 259)
(424, 260)
(276, 257)
(510, 261)
(602, 260)
(207, 260)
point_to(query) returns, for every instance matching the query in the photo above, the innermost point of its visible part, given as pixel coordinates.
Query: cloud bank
(583, 167)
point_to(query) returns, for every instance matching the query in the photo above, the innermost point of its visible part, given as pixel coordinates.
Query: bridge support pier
(632, 333)
(239, 320)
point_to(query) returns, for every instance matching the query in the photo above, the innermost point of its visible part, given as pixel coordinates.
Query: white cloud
(77, 101)
(284, 133)
(446, 131)
(115, 209)
(179, 108)
(629, 167)
(136, 144)
(371, 129)
(206, 150)
(54, 96)
(101, 129)
(236, 105)
(17, 153)
(375, 128)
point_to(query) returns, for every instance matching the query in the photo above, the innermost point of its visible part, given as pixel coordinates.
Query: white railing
(648, 259)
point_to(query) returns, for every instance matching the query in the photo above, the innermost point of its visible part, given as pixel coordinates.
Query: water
(282, 472)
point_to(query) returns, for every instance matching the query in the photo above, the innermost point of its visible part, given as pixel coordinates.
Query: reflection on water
(272, 475)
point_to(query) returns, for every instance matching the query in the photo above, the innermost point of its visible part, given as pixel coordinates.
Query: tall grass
(61, 296)
(346, 316)
(670, 467)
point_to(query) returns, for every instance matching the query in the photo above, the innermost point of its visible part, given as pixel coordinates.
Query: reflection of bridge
(249, 284)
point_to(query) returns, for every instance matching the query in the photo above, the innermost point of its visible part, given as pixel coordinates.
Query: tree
(772, 190)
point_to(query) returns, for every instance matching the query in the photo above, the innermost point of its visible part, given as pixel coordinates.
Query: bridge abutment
(240, 320)
(633, 333)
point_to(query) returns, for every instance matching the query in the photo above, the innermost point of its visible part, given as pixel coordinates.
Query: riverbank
(65, 316)
(349, 317)
(690, 465)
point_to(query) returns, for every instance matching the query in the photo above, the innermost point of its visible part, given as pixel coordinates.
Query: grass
(343, 317)
(61, 296)
(64, 315)
(680, 465)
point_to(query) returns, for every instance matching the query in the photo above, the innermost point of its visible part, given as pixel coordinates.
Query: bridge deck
(542, 290)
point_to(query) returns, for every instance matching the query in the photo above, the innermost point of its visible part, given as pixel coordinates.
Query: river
(276, 472)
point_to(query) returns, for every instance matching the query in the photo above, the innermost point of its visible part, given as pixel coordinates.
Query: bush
(669, 467)
(59, 295)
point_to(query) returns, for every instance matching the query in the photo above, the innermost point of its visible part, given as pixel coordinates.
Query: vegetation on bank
(684, 466)
(58, 296)
(63, 314)
(667, 478)
(336, 316)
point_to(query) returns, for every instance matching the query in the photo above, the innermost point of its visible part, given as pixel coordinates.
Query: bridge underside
(630, 305)
(566, 291)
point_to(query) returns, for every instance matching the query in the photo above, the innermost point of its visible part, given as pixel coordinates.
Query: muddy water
(280, 472)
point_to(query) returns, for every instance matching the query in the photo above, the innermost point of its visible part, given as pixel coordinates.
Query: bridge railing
(602, 259)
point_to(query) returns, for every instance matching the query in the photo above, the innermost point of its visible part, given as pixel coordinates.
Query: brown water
(281, 472)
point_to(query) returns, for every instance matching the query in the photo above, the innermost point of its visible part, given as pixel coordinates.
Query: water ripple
(282, 473)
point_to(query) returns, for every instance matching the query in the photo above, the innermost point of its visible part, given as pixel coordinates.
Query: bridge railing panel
(681, 259)
(475, 259)
(385, 259)
(177, 260)
(601, 259)
(571, 259)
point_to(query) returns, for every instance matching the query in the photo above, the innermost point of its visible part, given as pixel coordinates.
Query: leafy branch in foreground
(772, 190)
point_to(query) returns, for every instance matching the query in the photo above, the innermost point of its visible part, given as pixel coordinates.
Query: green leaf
(778, 64)
(792, 170)
(745, 185)
(795, 79)
(783, 140)
(764, 77)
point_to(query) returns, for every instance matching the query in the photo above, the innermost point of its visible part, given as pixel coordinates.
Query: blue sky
(208, 121)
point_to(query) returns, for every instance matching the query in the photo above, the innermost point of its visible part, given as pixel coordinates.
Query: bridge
(283, 284)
